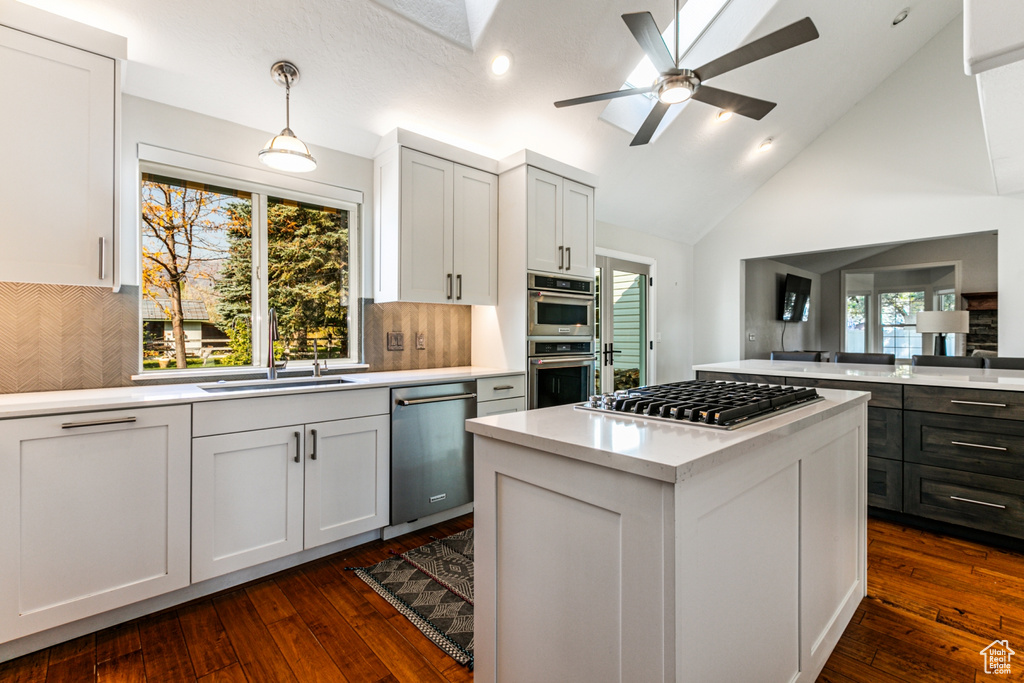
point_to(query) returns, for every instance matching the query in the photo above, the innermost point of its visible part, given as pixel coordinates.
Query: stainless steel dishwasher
(431, 451)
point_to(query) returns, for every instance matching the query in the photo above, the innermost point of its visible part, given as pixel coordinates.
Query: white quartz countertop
(975, 378)
(665, 451)
(87, 400)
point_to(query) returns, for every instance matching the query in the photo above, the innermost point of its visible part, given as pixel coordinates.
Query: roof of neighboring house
(159, 309)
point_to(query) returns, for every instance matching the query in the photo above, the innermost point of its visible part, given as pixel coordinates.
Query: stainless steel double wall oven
(560, 330)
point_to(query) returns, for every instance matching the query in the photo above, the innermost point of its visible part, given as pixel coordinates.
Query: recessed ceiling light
(501, 63)
(898, 19)
(724, 115)
(765, 145)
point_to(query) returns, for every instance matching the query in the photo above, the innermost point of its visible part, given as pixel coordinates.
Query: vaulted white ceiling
(367, 69)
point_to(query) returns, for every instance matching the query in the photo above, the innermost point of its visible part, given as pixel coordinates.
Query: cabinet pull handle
(504, 387)
(458, 279)
(103, 258)
(449, 285)
(98, 423)
(298, 446)
(312, 453)
(568, 258)
(978, 445)
(979, 502)
(561, 258)
(978, 403)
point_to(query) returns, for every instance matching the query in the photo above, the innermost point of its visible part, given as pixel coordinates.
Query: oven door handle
(563, 360)
(557, 293)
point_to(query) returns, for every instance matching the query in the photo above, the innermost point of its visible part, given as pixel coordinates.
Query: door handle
(561, 257)
(568, 258)
(458, 280)
(435, 399)
(298, 446)
(449, 285)
(312, 451)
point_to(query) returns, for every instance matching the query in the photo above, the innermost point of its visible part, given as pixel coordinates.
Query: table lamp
(941, 323)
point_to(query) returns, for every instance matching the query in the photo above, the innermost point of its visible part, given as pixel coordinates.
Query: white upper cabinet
(559, 224)
(58, 195)
(436, 237)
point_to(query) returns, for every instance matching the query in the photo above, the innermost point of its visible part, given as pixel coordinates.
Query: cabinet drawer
(885, 483)
(974, 500)
(505, 405)
(882, 395)
(885, 433)
(264, 412)
(1008, 405)
(506, 386)
(739, 377)
(974, 444)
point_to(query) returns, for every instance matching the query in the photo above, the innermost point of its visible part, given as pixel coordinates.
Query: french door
(624, 346)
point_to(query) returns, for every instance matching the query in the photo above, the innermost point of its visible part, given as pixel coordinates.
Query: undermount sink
(270, 385)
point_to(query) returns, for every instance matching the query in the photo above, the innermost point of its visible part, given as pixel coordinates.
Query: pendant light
(285, 152)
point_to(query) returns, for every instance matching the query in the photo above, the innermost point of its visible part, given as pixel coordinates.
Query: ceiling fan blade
(646, 32)
(795, 34)
(751, 107)
(646, 132)
(603, 96)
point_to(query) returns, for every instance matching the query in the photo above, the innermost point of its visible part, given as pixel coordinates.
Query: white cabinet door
(544, 221)
(93, 514)
(347, 474)
(57, 198)
(246, 499)
(578, 228)
(427, 228)
(476, 237)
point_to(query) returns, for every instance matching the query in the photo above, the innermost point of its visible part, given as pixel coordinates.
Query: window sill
(199, 376)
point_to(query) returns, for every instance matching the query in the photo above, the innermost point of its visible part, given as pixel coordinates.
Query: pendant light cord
(676, 22)
(287, 101)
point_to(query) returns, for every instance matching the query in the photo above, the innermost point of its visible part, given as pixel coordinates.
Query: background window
(200, 267)
(898, 311)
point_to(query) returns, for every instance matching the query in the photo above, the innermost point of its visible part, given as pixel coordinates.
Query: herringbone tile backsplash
(446, 328)
(62, 337)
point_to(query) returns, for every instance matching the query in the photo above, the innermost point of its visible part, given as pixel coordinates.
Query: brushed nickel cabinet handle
(298, 446)
(449, 285)
(978, 403)
(504, 387)
(979, 502)
(98, 423)
(568, 258)
(103, 258)
(978, 445)
(561, 258)
(312, 452)
(458, 280)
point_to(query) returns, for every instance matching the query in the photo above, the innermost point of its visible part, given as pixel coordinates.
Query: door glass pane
(898, 310)
(196, 274)
(307, 263)
(629, 320)
(597, 329)
(856, 323)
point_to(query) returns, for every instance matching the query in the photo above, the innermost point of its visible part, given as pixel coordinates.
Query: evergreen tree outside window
(202, 265)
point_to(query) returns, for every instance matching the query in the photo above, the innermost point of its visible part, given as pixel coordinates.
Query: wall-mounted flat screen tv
(794, 299)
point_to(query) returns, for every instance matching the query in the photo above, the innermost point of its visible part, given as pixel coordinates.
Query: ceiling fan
(675, 85)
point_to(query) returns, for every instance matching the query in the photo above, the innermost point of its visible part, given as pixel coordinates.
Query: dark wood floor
(933, 603)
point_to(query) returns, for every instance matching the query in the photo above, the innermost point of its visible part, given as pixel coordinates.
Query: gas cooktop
(723, 405)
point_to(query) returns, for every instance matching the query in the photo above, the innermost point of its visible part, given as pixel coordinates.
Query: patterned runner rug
(432, 586)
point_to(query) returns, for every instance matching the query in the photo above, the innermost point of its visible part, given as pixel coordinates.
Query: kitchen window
(217, 256)
(898, 312)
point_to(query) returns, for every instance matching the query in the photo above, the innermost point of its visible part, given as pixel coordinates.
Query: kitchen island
(615, 548)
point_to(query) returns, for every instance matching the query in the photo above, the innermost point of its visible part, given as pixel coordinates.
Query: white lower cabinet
(499, 395)
(94, 514)
(264, 494)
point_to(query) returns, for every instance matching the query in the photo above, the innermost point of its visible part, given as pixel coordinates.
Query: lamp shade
(943, 322)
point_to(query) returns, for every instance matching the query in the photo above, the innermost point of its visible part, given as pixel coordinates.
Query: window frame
(262, 185)
(880, 331)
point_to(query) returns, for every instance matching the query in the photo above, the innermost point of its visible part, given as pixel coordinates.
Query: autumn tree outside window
(206, 261)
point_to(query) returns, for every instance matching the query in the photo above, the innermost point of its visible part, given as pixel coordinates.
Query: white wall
(761, 282)
(908, 162)
(673, 286)
(152, 123)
